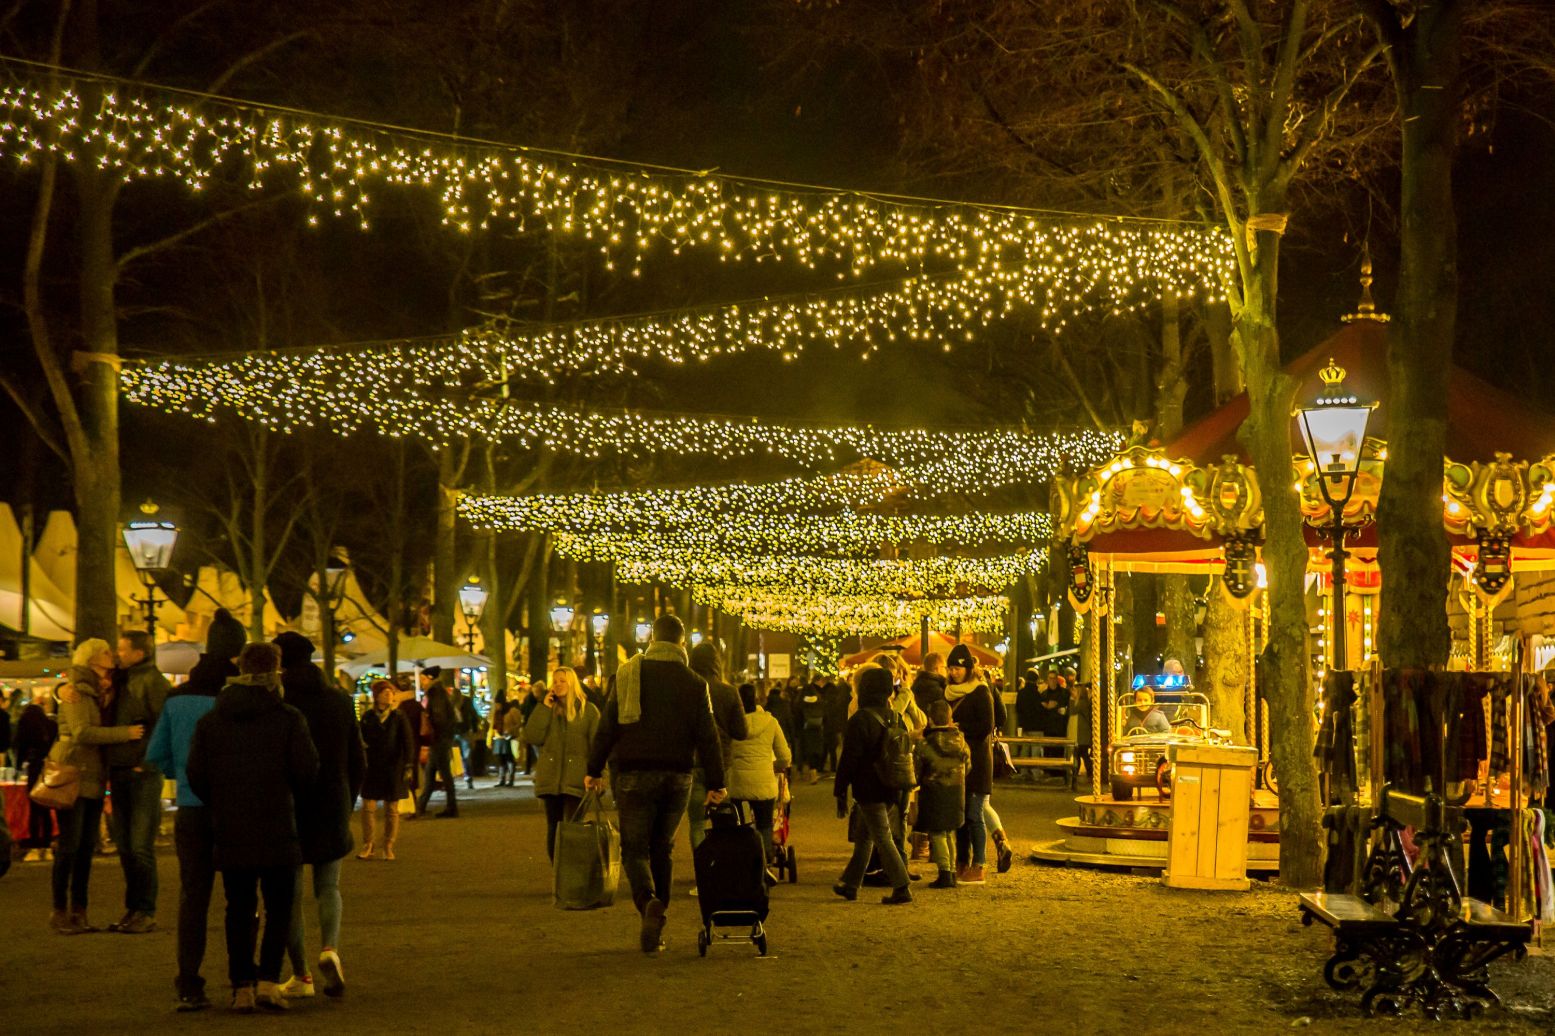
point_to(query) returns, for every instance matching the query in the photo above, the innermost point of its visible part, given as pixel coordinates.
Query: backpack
(894, 766)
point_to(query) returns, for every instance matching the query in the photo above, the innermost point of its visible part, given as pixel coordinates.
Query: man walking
(442, 725)
(658, 720)
(135, 784)
(193, 837)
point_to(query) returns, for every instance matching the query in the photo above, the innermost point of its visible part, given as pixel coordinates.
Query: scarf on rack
(629, 702)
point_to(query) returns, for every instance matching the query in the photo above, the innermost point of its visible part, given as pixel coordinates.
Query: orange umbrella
(911, 648)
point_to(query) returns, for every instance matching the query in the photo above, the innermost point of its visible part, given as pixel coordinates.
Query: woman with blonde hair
(562, 728)
(86, 694)
(391, 757)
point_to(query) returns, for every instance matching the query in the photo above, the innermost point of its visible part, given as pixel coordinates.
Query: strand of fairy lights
(864, 615)
(137, 132)
(716, 572)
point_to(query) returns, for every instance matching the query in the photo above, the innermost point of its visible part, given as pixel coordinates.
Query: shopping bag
(588, 858)
(456, 762)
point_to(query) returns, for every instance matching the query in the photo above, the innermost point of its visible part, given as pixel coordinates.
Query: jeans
(762, 811)
(194, 839)
(651, 803)
(77, 844)
(557, 809)
(876, 836)
(976, 829)
(991, 820)
(941, 851)
(439, 766)
(137, 811)
(244, 888)
(326, 890)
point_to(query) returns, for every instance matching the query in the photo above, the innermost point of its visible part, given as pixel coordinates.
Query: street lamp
(472, 602)
(644, 632)
(599, 622)
(696, 637)
(562, 615)
(150, 544)
(1334, 429)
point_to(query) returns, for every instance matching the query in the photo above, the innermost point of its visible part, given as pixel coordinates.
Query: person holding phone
(563, 728)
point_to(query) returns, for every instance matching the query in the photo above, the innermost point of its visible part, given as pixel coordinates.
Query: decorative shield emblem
(1494, 567)
(1241, 573)
(1081, 575)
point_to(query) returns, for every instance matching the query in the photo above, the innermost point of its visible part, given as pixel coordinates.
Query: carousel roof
(1482, 420)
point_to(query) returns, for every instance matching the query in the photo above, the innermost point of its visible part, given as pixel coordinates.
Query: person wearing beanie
(729, 715)
(858, 771)
(251, 759)
(84, 699)
(194, 840)
(972, 709)
(323, 810)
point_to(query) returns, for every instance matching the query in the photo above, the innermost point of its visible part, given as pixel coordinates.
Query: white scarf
(629, 703)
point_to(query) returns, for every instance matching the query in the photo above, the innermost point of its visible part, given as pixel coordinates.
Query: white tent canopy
(50, 608)
(55, 553)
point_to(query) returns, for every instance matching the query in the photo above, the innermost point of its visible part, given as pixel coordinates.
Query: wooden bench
(1026, 753)
(1410, 936)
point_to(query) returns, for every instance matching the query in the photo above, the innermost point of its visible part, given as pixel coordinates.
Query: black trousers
(244, 887)
(557, 809)
(195, 842)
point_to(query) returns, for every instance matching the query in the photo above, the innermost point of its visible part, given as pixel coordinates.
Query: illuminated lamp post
(150, 544)
(599, 623)
(562, 615)
(472, 602)
(1334, 429)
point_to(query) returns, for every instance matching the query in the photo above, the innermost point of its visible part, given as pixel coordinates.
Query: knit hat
(431, 672)
(296, 649)
(961, 655)
(226, 637)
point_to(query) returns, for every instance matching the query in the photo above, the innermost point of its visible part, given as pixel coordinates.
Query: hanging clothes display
(1471, 724)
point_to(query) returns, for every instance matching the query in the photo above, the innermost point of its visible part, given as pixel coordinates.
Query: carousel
(1193, 506)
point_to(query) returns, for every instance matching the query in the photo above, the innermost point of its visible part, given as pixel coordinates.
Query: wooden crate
(1212, 790)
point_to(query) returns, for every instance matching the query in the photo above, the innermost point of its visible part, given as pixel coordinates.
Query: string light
(717, 572)
(863, 615)
(743, 519)
(137, 132)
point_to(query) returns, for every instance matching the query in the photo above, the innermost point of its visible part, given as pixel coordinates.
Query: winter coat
(1028, 709)
(973, 712)
(927, 688)
(811, 708)
(169, 748)
(905, 705)
(676, 727)
(413, 711)
(82, 733)
(753, 770)
(564, 748)
(251, 759)
(324, 812)
(440, 712)
(140, 700)
(729, 715)
(390, 747)
(36, 732)
(1055, 720)
(513, 721)
(863, 746)
(941, 760)
(839, 704)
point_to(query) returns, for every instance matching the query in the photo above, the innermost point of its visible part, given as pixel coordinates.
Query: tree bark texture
(1412, 547)
(1227, 669)
(446, 574)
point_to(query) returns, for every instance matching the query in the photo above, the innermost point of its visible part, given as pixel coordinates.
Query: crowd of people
(269, 763)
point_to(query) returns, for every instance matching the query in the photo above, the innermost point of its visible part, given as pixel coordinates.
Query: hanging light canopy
(1333, 427)
(472, 600)
(150, 541)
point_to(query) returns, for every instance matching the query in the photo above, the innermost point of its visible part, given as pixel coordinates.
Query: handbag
(1003, 764)
(58, 786)
(588, 858)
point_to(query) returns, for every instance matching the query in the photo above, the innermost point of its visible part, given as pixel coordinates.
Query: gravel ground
(459, 936)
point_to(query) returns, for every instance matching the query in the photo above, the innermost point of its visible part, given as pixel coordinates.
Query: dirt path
(459, 936)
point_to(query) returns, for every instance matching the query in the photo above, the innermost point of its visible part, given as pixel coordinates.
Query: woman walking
(758, 766)
(972, 705)
(562, 727)
(391, 756)
(87, 692)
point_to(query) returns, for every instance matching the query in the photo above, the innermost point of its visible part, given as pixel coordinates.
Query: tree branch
(139, 252)
(216, 85)
(37, 418)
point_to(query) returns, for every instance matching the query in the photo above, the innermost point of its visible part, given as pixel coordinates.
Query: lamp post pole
(1337, 554)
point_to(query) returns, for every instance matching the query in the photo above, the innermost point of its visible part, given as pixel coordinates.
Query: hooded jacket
(941, 760)
(863, 743)
(753, 770)
(251, 758)
(728, 712)
(324, 811)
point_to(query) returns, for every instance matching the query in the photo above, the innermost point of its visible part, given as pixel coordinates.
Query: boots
(920, 847)
(61, 924)
(369, 833)
(1004, 855)
(946, 880)
(392, 835)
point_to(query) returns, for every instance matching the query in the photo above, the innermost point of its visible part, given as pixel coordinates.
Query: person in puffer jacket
(941, 760)
(758, 765)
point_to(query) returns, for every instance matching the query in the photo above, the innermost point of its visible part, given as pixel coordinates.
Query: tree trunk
(96, 468)
(539, 615)
(1412, 547)
(1227, 668)
(1171, 385)
(1266, 433)
(1177, 601)
(258, 556)
(446, 577)
(1226, 367)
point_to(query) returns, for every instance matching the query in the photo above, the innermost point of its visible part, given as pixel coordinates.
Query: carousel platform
(1132, 835)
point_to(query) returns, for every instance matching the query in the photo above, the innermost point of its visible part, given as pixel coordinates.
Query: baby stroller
(783, 862)
(731, 879)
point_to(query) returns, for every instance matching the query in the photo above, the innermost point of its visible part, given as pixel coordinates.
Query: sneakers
(61, 923)
(845, 891)
(188, 1002)
(651, 936)
(973, 875)
(33, 856)
(334, 976)
(118, 925)
(243, 1000)
(946, 880)
(897, 897)
(138, 924)
(268, 996)
(82, 925)
(298, 987)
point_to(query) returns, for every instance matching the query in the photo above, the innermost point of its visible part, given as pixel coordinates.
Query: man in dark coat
(250, 760)
(839, 699)
(928, 686)
(1028, 705)
(863, 749)
(324, 812)
(136, 785)
(658, 721)
(443, 723)
(728, 714)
